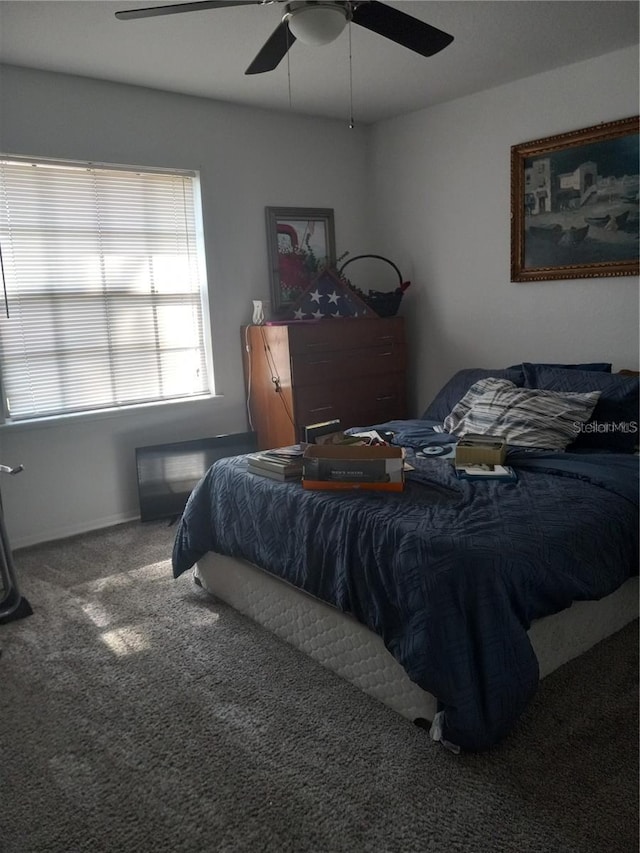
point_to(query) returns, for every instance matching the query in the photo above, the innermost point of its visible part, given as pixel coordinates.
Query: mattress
(340, 643)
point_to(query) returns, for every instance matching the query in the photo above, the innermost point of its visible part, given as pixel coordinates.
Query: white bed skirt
(345, 646)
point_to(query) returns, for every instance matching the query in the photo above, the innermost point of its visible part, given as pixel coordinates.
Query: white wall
(442, 198)
(81, 474)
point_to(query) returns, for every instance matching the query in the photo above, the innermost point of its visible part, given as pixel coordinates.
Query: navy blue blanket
(450, 573)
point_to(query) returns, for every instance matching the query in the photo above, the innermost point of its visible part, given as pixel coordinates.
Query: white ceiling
(206, 52)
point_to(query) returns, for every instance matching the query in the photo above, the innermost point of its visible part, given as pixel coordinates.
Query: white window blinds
(105, 290)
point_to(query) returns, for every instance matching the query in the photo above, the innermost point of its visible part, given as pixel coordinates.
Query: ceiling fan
(319, 22)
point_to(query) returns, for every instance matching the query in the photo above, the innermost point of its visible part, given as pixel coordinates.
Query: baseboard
(71, 530)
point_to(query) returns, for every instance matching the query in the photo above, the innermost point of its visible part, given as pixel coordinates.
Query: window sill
(137, 410)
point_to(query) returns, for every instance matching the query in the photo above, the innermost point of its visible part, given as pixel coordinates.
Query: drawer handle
(313, 344)
(383, 399)
(386, 338)
(322, 409)
(321, 361)
(385, 354)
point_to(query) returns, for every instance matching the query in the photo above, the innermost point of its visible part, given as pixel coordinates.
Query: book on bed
(281, 464)
(486, 472)
(274, 474)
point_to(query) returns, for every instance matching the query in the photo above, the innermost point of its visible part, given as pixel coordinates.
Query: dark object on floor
(13, 605)
(167, 473)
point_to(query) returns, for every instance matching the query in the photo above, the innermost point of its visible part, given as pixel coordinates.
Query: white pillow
(528, 417)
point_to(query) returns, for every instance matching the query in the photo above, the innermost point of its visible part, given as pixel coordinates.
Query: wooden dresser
(305, 373)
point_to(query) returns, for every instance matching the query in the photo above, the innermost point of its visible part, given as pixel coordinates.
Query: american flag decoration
(328, 296)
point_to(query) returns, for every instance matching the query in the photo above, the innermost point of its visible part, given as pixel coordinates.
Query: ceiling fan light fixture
(317, 24)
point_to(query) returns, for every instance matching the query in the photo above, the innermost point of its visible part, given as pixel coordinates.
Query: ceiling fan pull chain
(351, 124)
(289, 69)
(4, 284)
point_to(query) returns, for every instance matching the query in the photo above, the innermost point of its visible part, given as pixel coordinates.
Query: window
(104, 288)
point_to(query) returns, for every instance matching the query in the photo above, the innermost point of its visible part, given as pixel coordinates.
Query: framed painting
(574, 204)
(301, 243)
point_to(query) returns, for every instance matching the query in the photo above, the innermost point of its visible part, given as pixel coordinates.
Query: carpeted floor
(138, 714)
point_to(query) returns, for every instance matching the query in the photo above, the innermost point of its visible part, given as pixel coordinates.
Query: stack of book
(282, 463)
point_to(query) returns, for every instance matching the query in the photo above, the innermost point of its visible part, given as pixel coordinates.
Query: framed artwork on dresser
(574, 204)
(300, 242)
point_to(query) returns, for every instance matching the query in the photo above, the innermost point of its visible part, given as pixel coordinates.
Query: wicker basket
(384, 303)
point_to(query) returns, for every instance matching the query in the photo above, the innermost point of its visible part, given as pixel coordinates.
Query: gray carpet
(139, 714)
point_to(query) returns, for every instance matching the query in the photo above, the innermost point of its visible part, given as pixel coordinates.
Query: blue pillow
(455, 389)
(597, 366)
(614, 423)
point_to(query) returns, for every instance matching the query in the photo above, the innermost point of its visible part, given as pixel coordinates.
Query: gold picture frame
(574, 204)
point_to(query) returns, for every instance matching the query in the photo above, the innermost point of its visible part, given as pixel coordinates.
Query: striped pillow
(527, 417)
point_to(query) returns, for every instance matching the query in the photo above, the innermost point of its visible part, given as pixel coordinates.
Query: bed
(449, 600)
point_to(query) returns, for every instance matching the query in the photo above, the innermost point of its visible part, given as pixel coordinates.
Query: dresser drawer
(345, 334)
(372, 399)
(376, 399)
(335, 366)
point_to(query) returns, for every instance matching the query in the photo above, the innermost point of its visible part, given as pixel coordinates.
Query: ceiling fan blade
(273, 50)
(401, 28)
(174, 9)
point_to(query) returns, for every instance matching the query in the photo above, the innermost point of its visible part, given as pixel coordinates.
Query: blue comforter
(449, 572)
